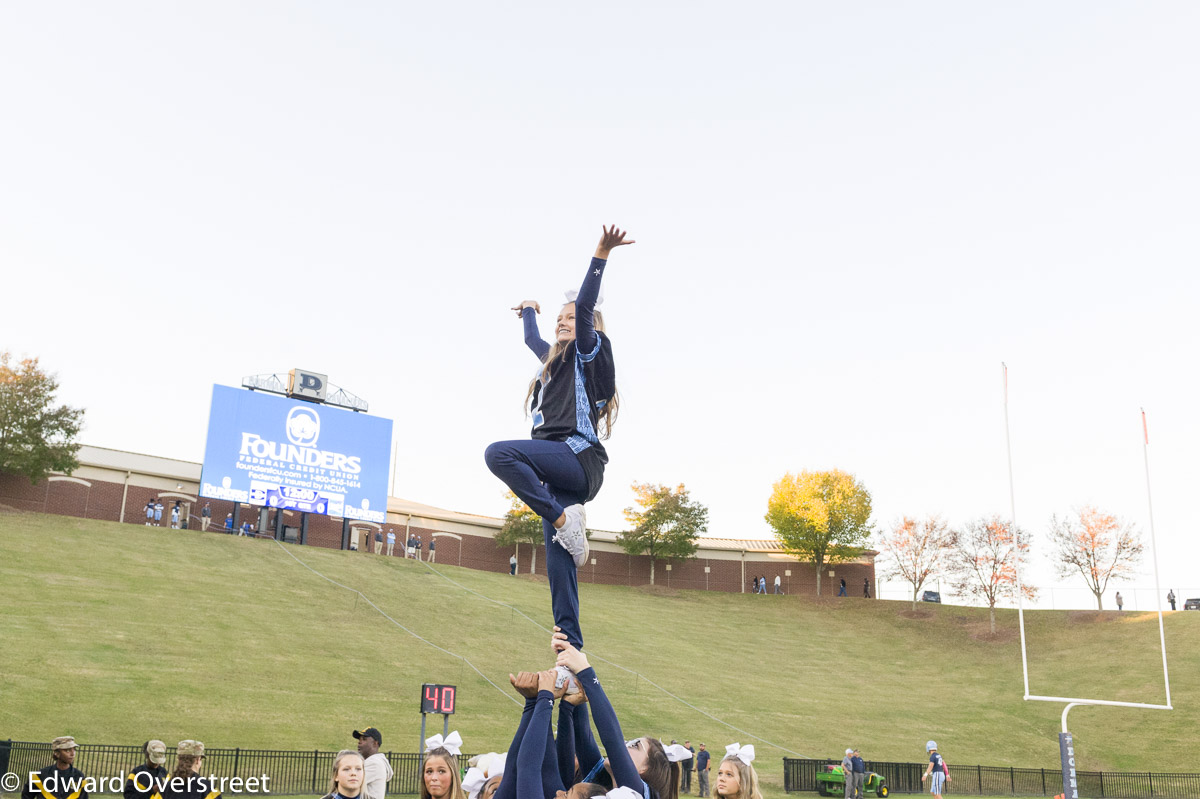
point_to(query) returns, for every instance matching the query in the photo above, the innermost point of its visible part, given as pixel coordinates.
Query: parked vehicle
(931, 596)
(1192, 604)
(832, 780)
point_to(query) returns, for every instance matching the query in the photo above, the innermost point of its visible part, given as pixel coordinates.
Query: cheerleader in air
(573, 402)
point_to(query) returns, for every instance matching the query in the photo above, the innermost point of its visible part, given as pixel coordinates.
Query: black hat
(369, 732)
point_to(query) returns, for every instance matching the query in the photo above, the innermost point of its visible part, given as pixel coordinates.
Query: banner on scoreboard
(269, 450)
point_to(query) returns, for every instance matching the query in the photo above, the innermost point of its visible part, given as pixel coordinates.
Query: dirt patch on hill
(9, 509)
(658, 590)
(1090, 616)
(984, 633)
(534, 578)
(916, 615)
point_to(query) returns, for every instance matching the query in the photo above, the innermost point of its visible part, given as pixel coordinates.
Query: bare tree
(984, 562)
(916, 550)
(1098, 546)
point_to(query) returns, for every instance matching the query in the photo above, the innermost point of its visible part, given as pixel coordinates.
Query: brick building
(115, 486)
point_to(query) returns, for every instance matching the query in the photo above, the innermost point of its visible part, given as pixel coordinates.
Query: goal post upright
(1066, 740)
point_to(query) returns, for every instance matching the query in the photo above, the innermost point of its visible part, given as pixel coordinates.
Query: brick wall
(102, 500)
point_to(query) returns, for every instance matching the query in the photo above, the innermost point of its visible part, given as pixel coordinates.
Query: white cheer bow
(742, 753)
(452, 743)
(676, 752)
(572, 294)
(623, 792)
(473, 781)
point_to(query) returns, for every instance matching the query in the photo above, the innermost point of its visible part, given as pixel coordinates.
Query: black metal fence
(286, 772)
(801, 775)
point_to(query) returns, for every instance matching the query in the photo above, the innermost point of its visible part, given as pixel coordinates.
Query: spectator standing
(432, 549)
(418, 546)
(867, 588)
(143, 780)
(512, 565)
(378, 769)
(848, 773)
(175, 516)
(842, 587)
(1171, 597)
(205, 516)
(158, 509)
(778, 585)
(702, 758)
(185, 781)
(229, 523)
(410, 546)
(391, 542)
(1120, 601)
(936, 770)
(150, 512)
(689, 765)
(860, 774)
(66, 781)
(245, 529)
(378, 542)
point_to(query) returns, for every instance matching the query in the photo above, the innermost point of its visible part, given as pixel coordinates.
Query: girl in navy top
(573, 402)
(642, 764)
(531, 771)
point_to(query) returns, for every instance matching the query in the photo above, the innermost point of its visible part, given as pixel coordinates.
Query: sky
(848, 216)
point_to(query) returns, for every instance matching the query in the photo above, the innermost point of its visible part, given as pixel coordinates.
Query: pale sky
(847, 215)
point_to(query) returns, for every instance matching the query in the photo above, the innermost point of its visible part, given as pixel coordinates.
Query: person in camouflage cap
(185, 781)
(143, 781)
(59, 780)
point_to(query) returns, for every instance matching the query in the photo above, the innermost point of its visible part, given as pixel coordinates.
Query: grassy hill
(116, 633)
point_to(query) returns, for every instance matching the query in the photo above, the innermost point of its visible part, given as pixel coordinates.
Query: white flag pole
(1162, 636)
(1012, 503)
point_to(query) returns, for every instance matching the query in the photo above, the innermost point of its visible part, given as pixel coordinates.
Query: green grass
(117, 633)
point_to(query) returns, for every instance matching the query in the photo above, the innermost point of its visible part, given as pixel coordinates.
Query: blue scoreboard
(278, 452)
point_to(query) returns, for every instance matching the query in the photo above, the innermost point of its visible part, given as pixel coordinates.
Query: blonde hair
(747, 780)
(455, 791)
(337, 761)
(608, 413)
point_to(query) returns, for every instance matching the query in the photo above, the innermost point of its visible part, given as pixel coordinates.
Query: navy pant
(547, 476)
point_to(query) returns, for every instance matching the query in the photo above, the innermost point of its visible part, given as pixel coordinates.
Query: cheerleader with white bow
(483, 777)
(736, 778)
(440, 775)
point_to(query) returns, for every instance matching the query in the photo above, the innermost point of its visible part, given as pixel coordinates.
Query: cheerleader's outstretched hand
(527, 304)
(546, 682)
(525, 683)
(611, 239)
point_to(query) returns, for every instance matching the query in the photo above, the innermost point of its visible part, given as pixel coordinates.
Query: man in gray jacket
(848, 771)
(377, 769)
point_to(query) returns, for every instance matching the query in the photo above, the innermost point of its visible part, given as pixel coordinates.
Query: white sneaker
(565, 677)
(572, 536)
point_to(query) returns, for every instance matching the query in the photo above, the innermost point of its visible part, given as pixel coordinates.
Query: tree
(1099, 546)
(521, 526)
(917, 550)
(822, 517)
(37, 437)
(984, 562)
(666, 526)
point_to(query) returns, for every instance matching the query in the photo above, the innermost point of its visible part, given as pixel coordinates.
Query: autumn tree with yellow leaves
(821, 517)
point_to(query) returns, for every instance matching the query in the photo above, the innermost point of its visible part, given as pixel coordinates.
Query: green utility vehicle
(832, 780)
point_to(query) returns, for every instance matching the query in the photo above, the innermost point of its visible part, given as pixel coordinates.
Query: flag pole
(1012, 504)
(1162, 636)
